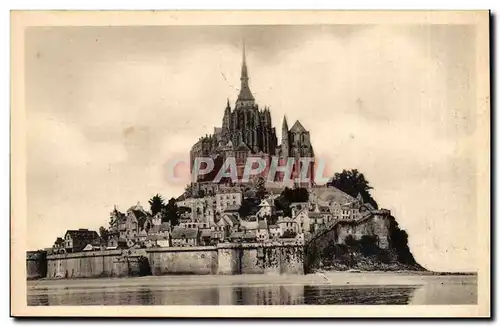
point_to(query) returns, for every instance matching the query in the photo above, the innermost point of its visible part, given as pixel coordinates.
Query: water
(252, 290)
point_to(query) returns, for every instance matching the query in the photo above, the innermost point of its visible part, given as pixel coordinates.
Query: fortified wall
(224, 259)
(36, 264)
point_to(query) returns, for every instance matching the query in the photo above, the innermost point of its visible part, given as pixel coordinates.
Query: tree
(249, 206)
(289, 196)
(398, 239)
(157, 204)
(171, 213)
(104, 233)
(260, 187)
(353, 183)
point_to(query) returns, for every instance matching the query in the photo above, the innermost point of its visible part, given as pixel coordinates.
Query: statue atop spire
(245, 93)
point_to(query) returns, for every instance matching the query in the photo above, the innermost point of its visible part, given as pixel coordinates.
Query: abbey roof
(298, 128)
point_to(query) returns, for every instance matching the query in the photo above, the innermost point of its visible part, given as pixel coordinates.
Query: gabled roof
(249, 236)
(285, 220)
(236, 235)
(91, 247)
(313, 214)
(243, 147)
(297, 128)
(82, 235)
(179, 233)
(206, 233)
(229, 217)
(264, 203)
(164, 227)
(250, 224)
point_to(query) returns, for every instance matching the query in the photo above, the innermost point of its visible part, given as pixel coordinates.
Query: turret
(226, 121)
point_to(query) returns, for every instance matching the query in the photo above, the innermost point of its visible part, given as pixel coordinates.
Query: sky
(108, 108)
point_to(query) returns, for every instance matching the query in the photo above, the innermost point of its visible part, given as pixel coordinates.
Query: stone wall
(261, 258)
(223, 259)
(200, 260)
(376, 225)
(87, 264)
(36, 264)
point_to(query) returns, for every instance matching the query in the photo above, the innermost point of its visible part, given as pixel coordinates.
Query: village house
(315, 221)
(250, 223)
(207, 237)
(209, 216)
(228, 221)
(158, 240)
(336, 210)
(133, 222)
(114, 244)
(232, 209)
(183, 237)
(77, 240)
(297, 206)
(266, 209)
(190, 224)
(303, 221)
(217, 235)
(228, 198)
(117, 227)
(59, 246)
(206, 188)
(93, 247)
(274, 231)
(287, 225)
(262, 232)
(243, 237)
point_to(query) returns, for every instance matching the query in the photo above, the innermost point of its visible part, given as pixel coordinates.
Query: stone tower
(285, 145)
(299, 141)
(226, 123)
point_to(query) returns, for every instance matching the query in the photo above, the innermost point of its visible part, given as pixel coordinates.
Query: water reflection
(256, 295)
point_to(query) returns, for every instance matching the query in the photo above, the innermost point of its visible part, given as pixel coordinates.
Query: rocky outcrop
(373, 242)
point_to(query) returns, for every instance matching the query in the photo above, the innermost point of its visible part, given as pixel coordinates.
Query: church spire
(244, 72)
(284, 127)
(245, 93)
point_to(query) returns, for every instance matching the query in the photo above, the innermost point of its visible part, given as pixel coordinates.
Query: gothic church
(247, 131)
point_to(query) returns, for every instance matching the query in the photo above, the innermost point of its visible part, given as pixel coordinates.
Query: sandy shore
(324, 278)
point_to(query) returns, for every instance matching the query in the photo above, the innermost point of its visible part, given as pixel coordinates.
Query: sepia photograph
(250, 164)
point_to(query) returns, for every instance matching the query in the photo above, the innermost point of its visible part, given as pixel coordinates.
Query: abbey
(247, 131)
